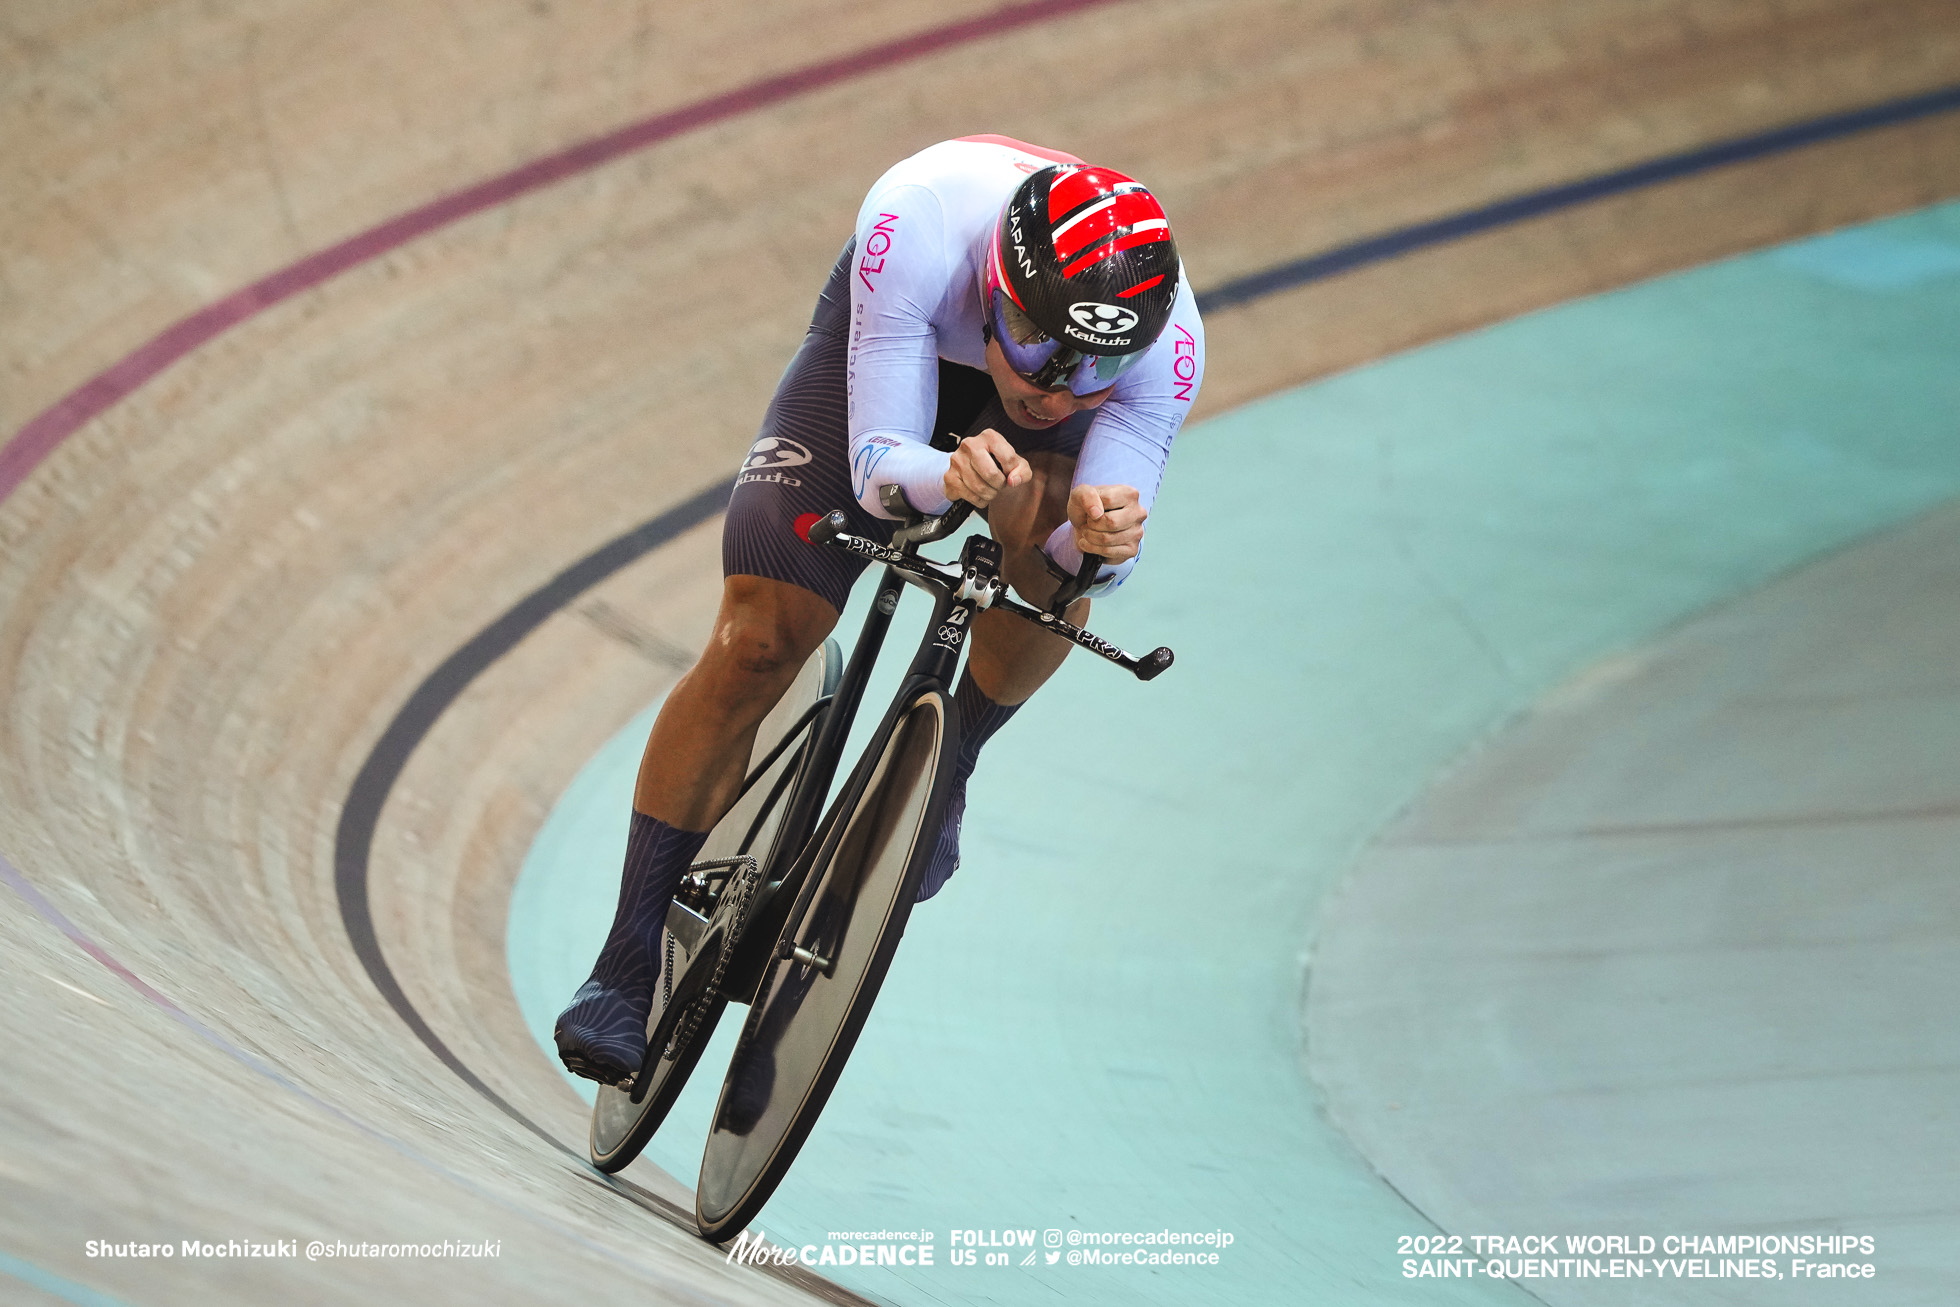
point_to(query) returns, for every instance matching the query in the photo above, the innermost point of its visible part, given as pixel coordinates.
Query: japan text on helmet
(1081, 277)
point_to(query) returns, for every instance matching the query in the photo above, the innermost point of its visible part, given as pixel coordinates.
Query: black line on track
(361, 814)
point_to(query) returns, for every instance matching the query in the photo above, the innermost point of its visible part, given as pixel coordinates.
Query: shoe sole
(580, 1063)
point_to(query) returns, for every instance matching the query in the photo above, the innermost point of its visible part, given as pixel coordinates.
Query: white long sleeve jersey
(916, 298)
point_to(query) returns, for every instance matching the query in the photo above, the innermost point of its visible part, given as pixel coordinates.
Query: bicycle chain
(742, 884)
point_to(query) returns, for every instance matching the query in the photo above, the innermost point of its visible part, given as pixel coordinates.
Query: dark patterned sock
(980, 717)
(605, 1026)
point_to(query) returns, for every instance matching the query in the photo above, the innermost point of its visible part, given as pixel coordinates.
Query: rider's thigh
(1022, 518)
(764, 632)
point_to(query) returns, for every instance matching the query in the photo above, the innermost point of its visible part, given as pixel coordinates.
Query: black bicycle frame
(957, 598)
(835, 729)
(932, 667)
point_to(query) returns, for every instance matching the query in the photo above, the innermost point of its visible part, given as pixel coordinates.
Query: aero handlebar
(906, 560)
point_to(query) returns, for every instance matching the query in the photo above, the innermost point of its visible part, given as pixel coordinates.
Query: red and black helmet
(1081, 278)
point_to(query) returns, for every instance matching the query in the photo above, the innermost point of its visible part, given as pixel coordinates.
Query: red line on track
(43, 433)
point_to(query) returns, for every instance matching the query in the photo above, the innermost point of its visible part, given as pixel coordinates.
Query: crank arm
(663, 1032)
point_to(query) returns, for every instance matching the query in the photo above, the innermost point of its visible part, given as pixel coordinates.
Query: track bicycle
(798, 916)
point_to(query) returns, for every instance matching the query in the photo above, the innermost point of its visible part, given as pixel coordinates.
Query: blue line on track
(1537, 204)
(54, 1285)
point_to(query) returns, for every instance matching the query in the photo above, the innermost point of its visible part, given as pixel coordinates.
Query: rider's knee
(763, 634)
(755, 650)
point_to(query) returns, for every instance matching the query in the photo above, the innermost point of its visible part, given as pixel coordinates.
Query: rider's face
(1027, 404)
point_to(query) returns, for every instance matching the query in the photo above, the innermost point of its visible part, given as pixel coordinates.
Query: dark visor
(1046, 362)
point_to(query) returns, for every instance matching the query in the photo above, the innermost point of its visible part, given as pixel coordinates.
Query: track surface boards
(218, 592)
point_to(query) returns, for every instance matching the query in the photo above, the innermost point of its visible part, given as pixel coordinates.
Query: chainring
(724, 931)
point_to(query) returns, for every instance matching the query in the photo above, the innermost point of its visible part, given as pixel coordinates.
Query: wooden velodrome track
(219, 590)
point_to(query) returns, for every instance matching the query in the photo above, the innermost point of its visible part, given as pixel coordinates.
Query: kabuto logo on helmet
(1085, 255)
(1080, 279)
(1103, 319)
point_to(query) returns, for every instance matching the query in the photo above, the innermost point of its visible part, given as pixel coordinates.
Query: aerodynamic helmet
(1081, 277)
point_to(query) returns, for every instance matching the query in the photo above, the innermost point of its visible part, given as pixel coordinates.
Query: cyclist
(1010, 295)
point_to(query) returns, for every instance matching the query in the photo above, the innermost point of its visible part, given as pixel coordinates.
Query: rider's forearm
(879, 460)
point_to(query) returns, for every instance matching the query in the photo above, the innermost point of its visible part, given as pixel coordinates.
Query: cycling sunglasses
(1041, 360)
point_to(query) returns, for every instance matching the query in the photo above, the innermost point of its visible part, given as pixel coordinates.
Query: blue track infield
(1097, 1025)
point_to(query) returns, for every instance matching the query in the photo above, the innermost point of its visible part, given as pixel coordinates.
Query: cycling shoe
(946, 853)
(603, 1034)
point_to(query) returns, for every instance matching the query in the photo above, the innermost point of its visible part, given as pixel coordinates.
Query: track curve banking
(1477, 518)
(1678, 951)
(240, 528)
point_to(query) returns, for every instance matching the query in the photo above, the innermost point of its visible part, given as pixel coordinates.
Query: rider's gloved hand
(982, 467)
